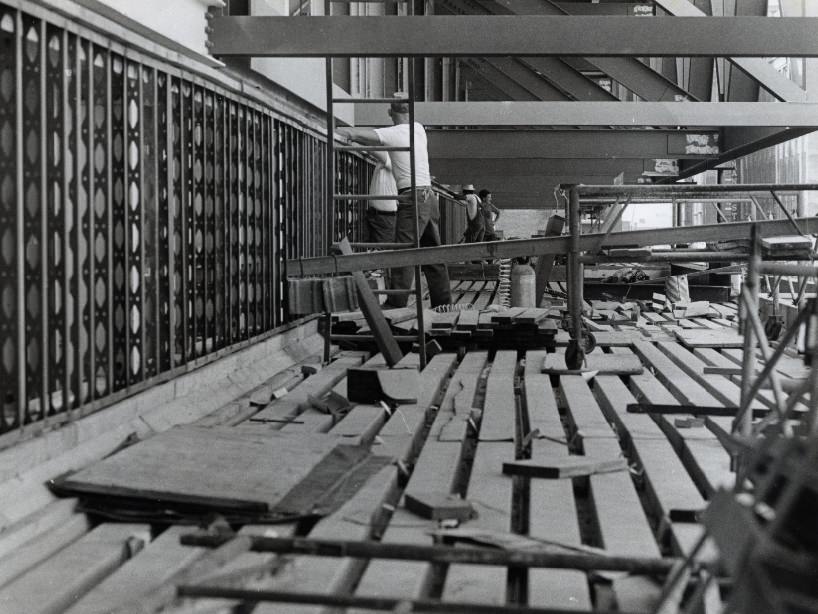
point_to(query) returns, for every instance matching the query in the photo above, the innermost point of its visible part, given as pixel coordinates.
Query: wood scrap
(558, 468)
(436, 505)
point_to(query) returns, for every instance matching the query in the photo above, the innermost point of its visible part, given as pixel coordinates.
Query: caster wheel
(772, 328)
(588, 342)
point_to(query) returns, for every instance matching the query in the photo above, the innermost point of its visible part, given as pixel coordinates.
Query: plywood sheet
(222, 467)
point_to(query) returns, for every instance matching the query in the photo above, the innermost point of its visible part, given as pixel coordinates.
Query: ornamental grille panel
(146, 215)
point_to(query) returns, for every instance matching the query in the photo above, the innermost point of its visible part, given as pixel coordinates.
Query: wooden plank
(150, 568)
(316, 385)
(315, 421)
(720, 387)
(557, 468)
(436, 468)
(670, 487)
(595, 361)
(498, 423)
(400, 436)
(358, 519)
(36, 524)
(225, 467)
(371, 308)
(677, 381)
(491, 494)
(57, 584)
(702, 454)
(552, 513)
(622, 522)
(42, 546)
(489, 490)
(725, 338)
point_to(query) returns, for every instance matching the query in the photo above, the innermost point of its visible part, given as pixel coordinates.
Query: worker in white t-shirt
(428, 212)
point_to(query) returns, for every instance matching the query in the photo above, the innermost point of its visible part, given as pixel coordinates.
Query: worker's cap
(399, 106)
(468, 187)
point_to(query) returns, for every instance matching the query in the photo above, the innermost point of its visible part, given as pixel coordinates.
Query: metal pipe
(749, 301)
(387, 604)
(782, 268)
(667, 257)
(575, 267)
(769, 365)
(531, 558)
(765, 352)
(710, 191)
(543, 245)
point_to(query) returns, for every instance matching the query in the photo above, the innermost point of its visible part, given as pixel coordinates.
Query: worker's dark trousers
(437, 276)
(380, 226)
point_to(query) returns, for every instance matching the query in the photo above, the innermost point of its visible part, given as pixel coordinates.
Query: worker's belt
(418, 188)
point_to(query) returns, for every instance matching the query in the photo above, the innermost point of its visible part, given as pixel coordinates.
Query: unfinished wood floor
(475, 410)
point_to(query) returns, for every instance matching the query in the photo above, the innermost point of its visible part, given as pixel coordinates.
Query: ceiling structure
(573, 91)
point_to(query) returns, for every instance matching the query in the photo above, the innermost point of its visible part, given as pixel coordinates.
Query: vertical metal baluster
(45, 397)
(22, 401)
(210, 213)
(80, 309)
(171, 235)
(92, 265)
(226, 309)
(109, 205)
(64, 141)
(192, 261)
(184, 274)
(156, 268)
(245, 221)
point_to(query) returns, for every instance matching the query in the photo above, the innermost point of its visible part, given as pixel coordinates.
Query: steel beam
(573, 143)
(756, 67)
(513, 35)
(639, 78)
(512, 78)
(631, 114)
(487, 167)
(737, 142)
(553, 70)
(551, 245)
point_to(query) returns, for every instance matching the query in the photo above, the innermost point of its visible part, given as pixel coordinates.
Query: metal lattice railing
(146, 215)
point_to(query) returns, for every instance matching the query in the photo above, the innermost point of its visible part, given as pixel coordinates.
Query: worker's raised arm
(363, 136)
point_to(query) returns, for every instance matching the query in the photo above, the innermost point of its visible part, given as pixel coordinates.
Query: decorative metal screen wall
(145, 217)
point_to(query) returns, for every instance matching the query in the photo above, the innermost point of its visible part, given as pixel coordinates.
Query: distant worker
(475, 224)
(490, 215)
(381, 214)
(428, 211)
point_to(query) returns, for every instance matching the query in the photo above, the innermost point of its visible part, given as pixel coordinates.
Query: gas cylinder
(523, 287)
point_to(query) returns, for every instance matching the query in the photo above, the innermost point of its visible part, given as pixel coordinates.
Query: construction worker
(428, 212)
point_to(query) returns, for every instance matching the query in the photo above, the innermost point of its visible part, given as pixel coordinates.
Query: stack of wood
(508, 328)
(316, 295)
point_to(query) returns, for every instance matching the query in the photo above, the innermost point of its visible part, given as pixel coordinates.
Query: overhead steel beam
(478, 168)
(554, 70)
(631, 114)
(501, 35)
(550, 245)
(769, 78)
(737, 142)
(572, 143)
(639, 78)
(488, 71)
(562, 76)
(540, 88)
